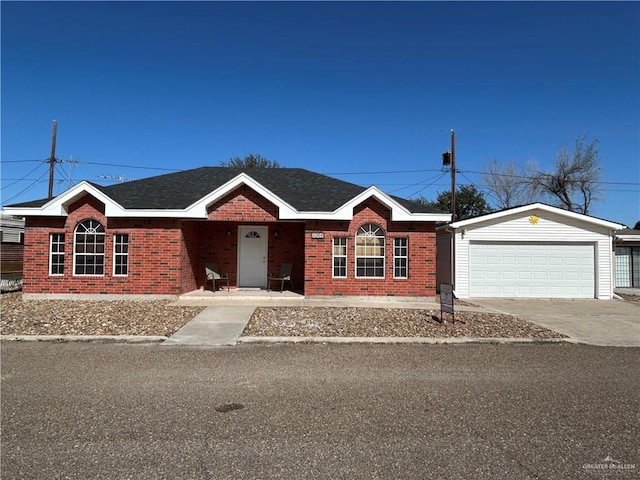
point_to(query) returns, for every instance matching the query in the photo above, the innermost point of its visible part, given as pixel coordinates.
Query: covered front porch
(245, 252)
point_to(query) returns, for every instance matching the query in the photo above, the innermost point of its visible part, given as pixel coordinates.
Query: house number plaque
(317, 234)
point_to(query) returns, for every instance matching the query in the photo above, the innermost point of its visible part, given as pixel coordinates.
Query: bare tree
(508, 184)
(574, 184)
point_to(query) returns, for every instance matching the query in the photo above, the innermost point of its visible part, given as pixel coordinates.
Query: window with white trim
(88, 248)
(400, 258)
(56, 254)
(339, 257)
(121, 254)
(370, 251)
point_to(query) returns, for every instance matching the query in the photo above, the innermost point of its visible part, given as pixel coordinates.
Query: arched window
(88, 248)
(370, 251)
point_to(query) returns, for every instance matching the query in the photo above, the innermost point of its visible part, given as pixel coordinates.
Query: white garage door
(531, 270)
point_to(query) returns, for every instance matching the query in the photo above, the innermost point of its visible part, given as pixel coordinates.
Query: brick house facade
(154, 236)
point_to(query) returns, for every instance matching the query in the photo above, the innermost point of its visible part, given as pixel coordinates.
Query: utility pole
(453, 175)
(449, 159)
(52, 158)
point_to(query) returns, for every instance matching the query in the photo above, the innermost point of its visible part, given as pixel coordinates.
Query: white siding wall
(549, 228)
(11, 229)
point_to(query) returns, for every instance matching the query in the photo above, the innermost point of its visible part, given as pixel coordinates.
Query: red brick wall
(167, 256)
(243, 205)
(155, 254)
(319, 260)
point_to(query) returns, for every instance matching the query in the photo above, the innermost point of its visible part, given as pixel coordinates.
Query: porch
(245, 252)
(235, 296)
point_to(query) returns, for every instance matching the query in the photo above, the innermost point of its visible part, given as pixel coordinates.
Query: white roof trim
(58, 206)
(537, 206)
(628, 237)
(199, 208)
(398, 212)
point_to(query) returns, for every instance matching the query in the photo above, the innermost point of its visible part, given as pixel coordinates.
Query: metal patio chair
(213, 274)
(283, 276)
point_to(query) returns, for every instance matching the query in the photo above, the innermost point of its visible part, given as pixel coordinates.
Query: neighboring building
(627, 243)
(531, 251)
(11, 242)
(154, 236)
(11, 251)
(11, 229)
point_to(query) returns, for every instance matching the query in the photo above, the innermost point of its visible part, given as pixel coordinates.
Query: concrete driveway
(595, 322)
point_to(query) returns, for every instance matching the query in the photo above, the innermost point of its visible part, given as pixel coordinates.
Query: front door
(252, 256)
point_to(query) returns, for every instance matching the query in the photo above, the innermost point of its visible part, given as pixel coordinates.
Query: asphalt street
(113, 411)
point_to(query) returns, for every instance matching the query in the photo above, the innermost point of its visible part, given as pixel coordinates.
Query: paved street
(86, 411)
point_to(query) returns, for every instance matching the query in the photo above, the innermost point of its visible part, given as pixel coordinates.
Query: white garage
(535, 251)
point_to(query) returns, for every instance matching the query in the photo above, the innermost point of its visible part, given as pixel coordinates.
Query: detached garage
(534, 251)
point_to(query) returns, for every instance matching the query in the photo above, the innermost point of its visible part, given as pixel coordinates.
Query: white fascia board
(628, 238)
(398, 212)
(199, 208)
(537, 206)
(59, 205)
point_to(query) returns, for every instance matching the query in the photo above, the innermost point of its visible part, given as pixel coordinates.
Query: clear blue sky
(335, 87)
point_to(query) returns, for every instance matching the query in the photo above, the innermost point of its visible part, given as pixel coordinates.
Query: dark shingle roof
(302, 189)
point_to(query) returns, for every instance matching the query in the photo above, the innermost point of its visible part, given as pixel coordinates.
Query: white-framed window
(370, 251)
(339, 257)
(56, 254)
(400, 258)
(88, 248)
(121, 254)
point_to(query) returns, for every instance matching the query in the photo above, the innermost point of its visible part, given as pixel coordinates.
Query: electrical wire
(380, 172)
(428, 185)
(26, 189)
(23, 178)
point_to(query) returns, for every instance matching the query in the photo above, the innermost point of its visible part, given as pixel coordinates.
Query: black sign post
(446, 302)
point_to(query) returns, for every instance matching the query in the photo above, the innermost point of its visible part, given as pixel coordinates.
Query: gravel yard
(630, 298)
(125, 317)
(80, 317)
(386, 322)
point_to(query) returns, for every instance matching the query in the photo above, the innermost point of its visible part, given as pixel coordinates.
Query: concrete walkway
(595, 322)
(215, 325)
(225, 317)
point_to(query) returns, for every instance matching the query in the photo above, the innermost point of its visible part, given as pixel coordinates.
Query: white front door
(252, 256)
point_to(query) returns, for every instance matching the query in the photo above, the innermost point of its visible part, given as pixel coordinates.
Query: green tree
(470, 202)
(250, 161)
(637, 225)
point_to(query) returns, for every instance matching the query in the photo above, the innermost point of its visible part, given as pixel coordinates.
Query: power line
(383, 172)
(131, 166)
(22, 161)
(422, 182)
(527, 177)
(28, 188)
(428, 185)
(380, 172)
(23, 178)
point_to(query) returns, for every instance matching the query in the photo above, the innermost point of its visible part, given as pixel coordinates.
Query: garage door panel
(513, 269)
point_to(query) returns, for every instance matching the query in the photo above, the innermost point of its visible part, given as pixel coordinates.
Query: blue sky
(367, 92)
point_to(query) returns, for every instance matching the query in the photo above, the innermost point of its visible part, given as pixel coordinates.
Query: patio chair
(283, 276)
(213, 274)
